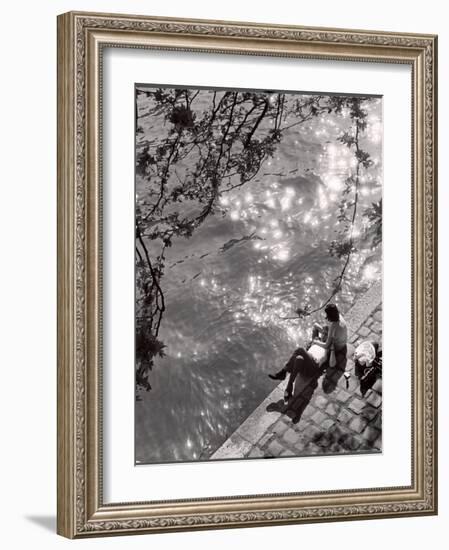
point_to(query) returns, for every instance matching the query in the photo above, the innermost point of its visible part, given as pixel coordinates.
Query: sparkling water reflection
(229, 287)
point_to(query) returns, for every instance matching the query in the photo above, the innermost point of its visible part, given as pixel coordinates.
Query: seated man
(315, 359)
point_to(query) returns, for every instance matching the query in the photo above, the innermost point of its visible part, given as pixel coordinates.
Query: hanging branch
(155, 289)
(346, 248)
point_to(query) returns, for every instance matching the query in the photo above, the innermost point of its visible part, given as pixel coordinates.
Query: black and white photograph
(258, 274)
(220, 246)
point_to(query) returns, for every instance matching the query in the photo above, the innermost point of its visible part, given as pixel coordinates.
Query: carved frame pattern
(80, 39)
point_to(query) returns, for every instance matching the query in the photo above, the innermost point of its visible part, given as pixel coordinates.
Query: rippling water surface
(230, 285)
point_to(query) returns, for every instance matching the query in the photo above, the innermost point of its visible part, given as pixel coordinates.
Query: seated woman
(311, 362)
(368, 364)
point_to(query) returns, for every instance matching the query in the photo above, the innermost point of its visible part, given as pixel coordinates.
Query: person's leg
(288, 367)
(294, 369)
(304, 365)
(341, 356)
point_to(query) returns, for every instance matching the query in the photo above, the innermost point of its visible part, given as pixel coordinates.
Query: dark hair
(332, 313)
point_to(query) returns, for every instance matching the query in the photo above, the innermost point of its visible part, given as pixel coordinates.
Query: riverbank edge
(251, 430)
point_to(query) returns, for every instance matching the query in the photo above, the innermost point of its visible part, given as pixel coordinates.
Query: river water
(229, 287)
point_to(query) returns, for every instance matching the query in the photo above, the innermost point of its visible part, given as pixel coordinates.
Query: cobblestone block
(290, 436)
(333, 409)
(369, 413)
(318, 418)
(371, 434)
(285, 420)
(342, 395)
(256, 453)
(287, 452)
(310, 433)
(358, 424)
(279, 428)
(335, 448)
(350, 442)
(374, 399)
(265, 439)
(345, 416)
(327, 424)
(299, 424)
(377, 328)
(377, 386)
(354, 338)
(378, 315)
(365, 446)
(377, 422)
(299, 446)
(325, 440)
(369, 321)
(363, 331)
(378, 443)
(356, 405)
(308, 412)
(274, 448)
(320, 402)
(313, 449)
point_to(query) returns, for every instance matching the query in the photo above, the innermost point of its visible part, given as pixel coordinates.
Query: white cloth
(318, 353)
(365, 353)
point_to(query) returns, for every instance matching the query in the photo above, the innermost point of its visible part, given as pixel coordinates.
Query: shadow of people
(303, 392)
(305, 384)
(277, 406)
(332, 376)
(304, 389)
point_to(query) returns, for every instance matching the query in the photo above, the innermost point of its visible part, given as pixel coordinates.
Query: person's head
(332, 313)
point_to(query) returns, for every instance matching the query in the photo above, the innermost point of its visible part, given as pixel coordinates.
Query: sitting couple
(328, 348)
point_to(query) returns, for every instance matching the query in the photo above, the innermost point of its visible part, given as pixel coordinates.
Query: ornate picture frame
(82, 510)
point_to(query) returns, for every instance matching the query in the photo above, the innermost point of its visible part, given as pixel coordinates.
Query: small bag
(332, 358)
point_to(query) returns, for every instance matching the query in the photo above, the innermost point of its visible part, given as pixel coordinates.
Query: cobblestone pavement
(328, 415)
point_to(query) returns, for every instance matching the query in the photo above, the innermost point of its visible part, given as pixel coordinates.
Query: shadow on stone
(337, 440)
(332, 377)
(277, 406)
(302, 394)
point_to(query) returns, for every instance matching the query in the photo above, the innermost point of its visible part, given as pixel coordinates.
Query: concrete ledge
(365, 305)
(251, 430)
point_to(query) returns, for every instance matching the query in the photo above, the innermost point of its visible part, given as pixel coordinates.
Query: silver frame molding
(81, 37)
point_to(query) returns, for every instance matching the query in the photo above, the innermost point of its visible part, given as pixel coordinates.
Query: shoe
(278, 375)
